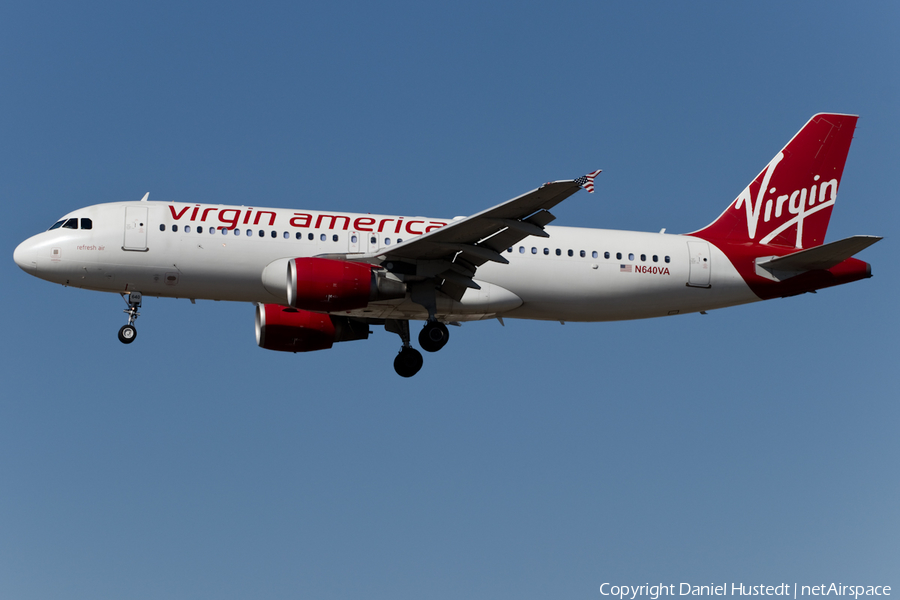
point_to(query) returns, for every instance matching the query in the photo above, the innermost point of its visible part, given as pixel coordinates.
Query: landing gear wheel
(127, 334)
(408, 362)
(433, 336)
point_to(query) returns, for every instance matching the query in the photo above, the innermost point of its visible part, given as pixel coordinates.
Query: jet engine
(289, 329)
(324, 284)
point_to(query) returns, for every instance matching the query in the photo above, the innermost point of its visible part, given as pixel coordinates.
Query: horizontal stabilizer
(818, 258)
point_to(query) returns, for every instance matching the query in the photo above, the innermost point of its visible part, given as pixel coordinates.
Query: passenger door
(135, 229)
(700, 266)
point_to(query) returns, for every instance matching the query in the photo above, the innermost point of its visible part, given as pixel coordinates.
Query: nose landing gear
(128, 333)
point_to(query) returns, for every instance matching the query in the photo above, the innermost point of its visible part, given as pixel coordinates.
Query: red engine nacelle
(292, 330)
(323, 284)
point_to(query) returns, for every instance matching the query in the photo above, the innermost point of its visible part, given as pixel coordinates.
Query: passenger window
(667, 259)
(546, 251)
(643, 258)
(594, 254)
(299, 236)
(262, 233)
(655, 258)
(187, 228)
(387, 241)
(509, 249)
(87, 224)
(274, 234)
(71, 224)
(618, 256)
(224, 231)
(582, 254)
(558, 252)
(521, 249)
(174, 227)
(287, 235)
(322, 237)
(606, 255)
(237, 232)
(249, 233)
(353, 239)
(162, 227)
(533, 250)
(631, 256)
(373, 240)
(57, 225)
(571, 253)
(334, 238)
(199, 230)
(398, 240)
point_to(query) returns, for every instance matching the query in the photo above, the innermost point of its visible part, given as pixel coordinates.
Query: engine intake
(324, 284)
(288, 329)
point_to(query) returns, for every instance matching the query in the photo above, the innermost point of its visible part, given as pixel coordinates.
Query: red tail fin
(790, 202)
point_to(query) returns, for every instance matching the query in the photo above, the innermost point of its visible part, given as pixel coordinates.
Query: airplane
(318, 278)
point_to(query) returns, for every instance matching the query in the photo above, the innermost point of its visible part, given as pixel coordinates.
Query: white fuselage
(576, 274)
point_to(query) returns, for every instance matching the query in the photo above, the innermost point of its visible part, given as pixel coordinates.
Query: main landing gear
(408, 361)
(432, 338)
(128, 333)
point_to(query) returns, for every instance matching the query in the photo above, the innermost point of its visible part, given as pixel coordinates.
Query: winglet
(144, 199)
(587, 181)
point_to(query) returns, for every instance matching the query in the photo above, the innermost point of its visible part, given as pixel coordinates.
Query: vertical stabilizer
(789, 203)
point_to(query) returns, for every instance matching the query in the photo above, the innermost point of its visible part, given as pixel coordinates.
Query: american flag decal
(625, 268)
(587, 181)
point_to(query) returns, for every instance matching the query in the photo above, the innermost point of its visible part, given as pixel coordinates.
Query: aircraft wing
(452, 253)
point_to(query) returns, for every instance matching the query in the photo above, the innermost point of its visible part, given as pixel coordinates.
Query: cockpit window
(72, 224)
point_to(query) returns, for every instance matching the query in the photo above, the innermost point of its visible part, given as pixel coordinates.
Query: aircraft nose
(25, 256)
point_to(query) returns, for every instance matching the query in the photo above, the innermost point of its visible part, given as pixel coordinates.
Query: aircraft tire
(127, 334)
(434, 336)
(408, 362)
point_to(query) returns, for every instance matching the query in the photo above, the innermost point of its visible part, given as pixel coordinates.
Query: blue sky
(754, 444)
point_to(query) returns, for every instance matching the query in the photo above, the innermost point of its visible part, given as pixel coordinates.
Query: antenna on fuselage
(144, 199)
